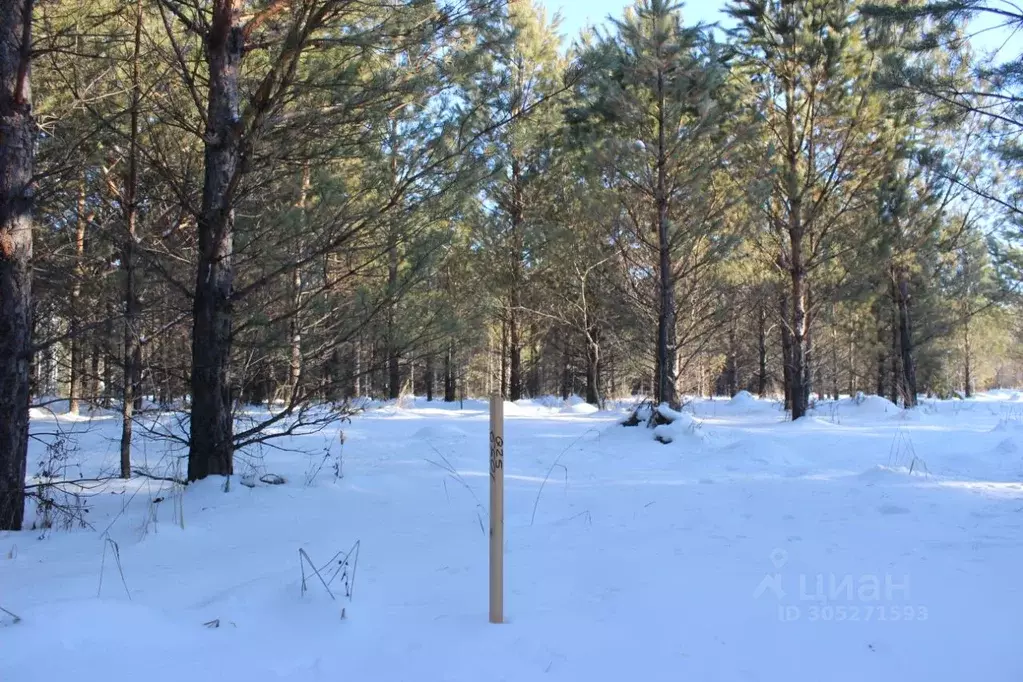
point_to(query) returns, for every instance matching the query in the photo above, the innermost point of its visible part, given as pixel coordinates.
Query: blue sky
(578, 13)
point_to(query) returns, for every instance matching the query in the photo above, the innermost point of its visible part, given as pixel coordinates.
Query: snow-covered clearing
(859, 544)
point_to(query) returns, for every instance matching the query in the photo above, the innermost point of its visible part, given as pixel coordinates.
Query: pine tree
(17, 145)
(523, 79)
(812, 74)
(658, 94)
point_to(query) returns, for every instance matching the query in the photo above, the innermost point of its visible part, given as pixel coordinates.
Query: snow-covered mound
(744, 399)
(580, 408)
(762, 452)
(1008, 426)
(1008, 446)
(810, 423)
(867, 405)
(682, 427)
(887, 474)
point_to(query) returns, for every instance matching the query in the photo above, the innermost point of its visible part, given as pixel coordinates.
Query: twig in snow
(556, 463)
(117, 560)
(343, 559)
(451, 471)
(15, 618)
(585, 513)
(304, 559)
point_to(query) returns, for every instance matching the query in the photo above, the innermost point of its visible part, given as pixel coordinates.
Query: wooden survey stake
(496, 509)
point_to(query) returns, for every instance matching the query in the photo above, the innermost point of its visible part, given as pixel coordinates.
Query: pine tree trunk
(809, 355)
(786, 351)
(517, 243)
(895, 350)
(131, 383)
(357, 367)
(449, 374)
(533, 384)
(967, 361)
(834, 363)
(882, 355)
(165, 382)
(96, 355)
(593, 366)
(295, 323)
(906, 338)
(429, 377)
(732, 362)
(566, 370)
(76, 383)
(211, 446)
(666, 314)
(514, 351)
(799, 371)
(612, 378)
(110, 345)
(514, 306)
(17, 165)
(504, 357)
(851, 385)
(762, 352)
(393, 262)
(33, 363)
(393, 360)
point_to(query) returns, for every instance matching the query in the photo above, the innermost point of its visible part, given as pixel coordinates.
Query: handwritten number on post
(496, 454)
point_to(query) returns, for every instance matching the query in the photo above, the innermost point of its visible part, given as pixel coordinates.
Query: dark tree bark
(566, 370)
(809, 354)
(296, 322)
(96, 355)
(612, 378)
(786, 351)
(504, 357)
(17, 165)
(794, 260)
(762, 352)
(852, 383)
(894, 350)
(534, 383)
(110, 352)
(211, 446)
(664, 391)
(131, 383)
(593, 366)
(514, 355)
(906, 337)
(834, 363)
(76, 382)
(429, 377)
(732, 361)
(799, 372)
(515, 295)
(449, 374)
(357, 367)
(882, 353)
(393, 261)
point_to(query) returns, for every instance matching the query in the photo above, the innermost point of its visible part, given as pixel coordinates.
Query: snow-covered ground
(862, 543)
